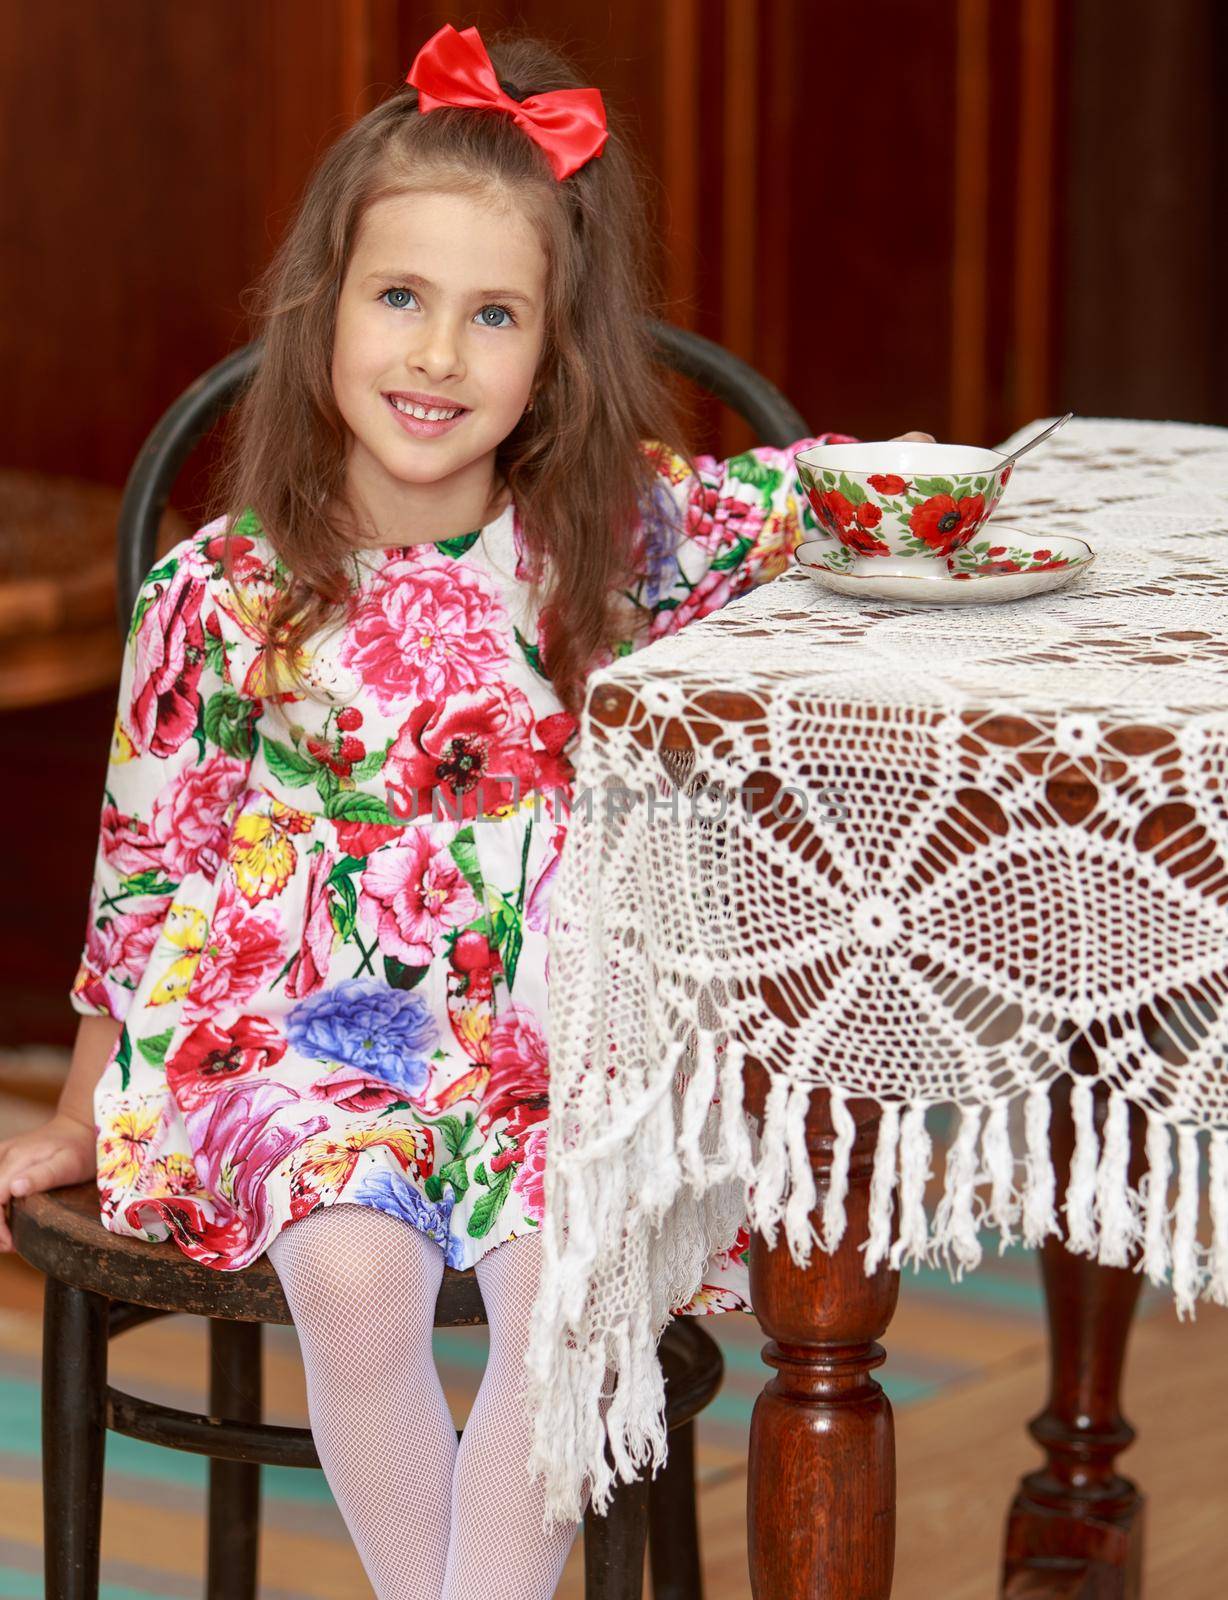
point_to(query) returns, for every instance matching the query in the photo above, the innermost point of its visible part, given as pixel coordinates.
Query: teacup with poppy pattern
(897, 505)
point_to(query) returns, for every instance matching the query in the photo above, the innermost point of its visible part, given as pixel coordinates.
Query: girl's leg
(498, 1548)
(362, 1287)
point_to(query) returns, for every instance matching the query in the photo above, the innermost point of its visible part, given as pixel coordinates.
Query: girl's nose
(436, 353)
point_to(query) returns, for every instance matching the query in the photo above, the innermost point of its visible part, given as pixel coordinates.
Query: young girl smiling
(313, 989)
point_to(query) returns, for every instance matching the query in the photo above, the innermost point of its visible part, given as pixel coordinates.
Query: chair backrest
(726, 376)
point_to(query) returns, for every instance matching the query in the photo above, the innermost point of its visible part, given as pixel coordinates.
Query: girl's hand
(920, 438)
(61, 1152)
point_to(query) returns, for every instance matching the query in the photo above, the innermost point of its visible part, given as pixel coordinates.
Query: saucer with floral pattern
(1004, 564)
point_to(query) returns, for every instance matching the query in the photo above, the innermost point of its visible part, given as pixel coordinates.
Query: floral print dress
(321, 917)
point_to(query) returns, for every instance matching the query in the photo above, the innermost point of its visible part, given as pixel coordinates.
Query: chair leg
(236, 1391)
(74, 1438)
(614, 1546)
(673, 1524)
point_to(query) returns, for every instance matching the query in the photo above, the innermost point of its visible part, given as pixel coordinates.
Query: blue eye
(489, 313)
(397, 305)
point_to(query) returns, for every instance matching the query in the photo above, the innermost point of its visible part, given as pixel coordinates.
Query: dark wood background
(949, 214)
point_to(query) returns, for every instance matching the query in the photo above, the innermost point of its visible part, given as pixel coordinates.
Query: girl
(313, 988)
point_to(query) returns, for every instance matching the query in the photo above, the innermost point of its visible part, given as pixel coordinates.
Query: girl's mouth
(425, 422)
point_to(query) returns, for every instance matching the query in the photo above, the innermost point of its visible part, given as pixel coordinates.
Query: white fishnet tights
(499, 1550)
(361, 1286)
(429, 1521)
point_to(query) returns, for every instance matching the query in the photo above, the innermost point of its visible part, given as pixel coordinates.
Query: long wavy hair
(575, 463)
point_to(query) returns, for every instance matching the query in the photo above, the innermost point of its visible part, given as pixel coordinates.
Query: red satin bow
(453, 69)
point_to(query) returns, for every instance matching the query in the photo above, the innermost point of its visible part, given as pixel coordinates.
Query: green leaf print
(455, 1132)
(507, 934)
(288, 765)
(351, 805)
(154, 1048)
(399, 976)
(531, 653)
(464, 852)
(931, 486)
(343, 906)
(852, 492)
(488, 1207)
(247, 525)
(734, 556)
(150, 881)
(455, 1174)
(750, 470)
(160, 574)
(458, 546)
(215, 654)
(372, 764)
(524, 867)
(228, 723)
(123, 1057)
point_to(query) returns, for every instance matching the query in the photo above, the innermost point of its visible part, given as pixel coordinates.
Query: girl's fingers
(40, 1175)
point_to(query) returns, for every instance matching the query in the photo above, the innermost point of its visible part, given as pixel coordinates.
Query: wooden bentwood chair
(100, 1284)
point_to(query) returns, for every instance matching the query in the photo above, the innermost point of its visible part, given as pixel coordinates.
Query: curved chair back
(726, 376)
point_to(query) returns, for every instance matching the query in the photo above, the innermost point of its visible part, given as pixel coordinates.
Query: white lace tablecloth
(925, 957)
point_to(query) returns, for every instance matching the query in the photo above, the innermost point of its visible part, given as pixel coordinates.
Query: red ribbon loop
(453, 69)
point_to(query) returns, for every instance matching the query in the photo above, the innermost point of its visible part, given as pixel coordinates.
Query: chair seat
(61, 1233)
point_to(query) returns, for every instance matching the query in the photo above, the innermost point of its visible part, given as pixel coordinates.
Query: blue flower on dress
(659, 516)
(388, 1033)
(387, 1192)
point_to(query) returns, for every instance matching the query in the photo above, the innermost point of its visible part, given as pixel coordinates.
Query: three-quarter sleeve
(721, 527)
(180, 754)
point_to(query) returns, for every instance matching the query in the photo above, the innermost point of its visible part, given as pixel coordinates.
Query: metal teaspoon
(1024, 448)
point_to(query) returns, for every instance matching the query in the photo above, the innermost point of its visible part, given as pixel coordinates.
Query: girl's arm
(180, 754)
(724, 527)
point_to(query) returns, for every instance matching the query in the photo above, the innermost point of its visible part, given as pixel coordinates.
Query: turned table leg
(1075, 1530)
(821, 1481)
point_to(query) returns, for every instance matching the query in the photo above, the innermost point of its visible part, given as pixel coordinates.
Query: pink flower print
(243, 949)
(428, 630)
(716, 519)
(519, 1067)
(530, 1180)
(241, 1134)
(417, 893)
(189, 816)
(121, 948)
(309, 968)
(712, 591)
(537, 905)
(353, 1090)
(128, 844)
(170, 656)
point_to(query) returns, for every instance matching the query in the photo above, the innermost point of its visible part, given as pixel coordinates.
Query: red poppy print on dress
(464, 758)
(213, 1055)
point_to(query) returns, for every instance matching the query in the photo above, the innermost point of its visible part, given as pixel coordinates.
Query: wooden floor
(968, 1369)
